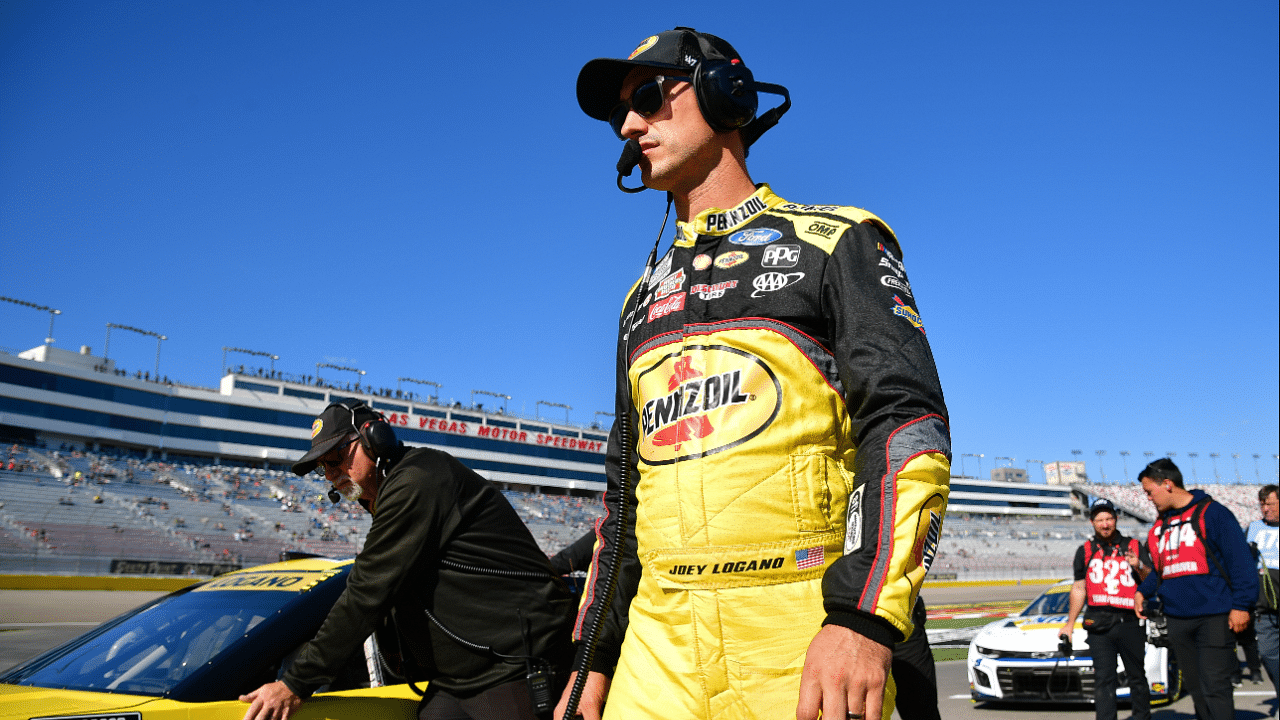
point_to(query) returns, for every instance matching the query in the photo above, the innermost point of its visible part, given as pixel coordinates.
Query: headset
(728, 98)
(374, 435)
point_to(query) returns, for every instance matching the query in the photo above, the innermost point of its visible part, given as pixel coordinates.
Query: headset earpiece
(377, 438)
(726, 92)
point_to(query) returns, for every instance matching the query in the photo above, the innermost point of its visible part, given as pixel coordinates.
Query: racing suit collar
(715, 221)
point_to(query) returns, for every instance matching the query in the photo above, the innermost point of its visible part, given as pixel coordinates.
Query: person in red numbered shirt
(1108, 568)
(1205, 580)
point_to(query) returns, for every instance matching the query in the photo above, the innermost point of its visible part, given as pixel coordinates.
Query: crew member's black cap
(600, 80)
(338, 422)
(1101, 505)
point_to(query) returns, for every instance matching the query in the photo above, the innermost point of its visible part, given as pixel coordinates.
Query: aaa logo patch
(705, 400)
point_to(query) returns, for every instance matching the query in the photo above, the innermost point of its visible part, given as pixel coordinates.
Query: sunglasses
(645, 101)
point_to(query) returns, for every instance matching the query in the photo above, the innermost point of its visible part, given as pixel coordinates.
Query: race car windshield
(152, 651)
(1051, 603)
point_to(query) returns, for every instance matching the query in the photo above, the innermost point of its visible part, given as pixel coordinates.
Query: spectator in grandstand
(445, 550)
(1206, 582)
(743, 429)
(1108, 568)
(1264, 537)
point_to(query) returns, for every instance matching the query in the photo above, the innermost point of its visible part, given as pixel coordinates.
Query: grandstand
(1241, 500)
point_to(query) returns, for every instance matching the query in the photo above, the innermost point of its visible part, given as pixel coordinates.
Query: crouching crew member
(446, 550)
(1108, 569)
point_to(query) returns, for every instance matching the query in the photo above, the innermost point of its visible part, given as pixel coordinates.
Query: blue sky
(1086, 196)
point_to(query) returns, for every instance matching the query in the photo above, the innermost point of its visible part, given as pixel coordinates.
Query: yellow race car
(192, 653)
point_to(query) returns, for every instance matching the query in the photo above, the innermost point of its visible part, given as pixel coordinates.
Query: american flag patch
(809, 557)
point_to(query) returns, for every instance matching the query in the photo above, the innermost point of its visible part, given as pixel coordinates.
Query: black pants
(1205, 649)
(509, 701)
(1247, 639)
(1128, 641)
(914, 672)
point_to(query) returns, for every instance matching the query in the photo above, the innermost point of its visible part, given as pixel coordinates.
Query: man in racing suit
(1107, 572)
(779, 469)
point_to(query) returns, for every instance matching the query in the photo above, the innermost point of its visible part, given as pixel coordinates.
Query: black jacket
(432, 515)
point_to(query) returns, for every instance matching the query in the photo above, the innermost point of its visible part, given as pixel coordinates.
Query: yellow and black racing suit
(790, 460)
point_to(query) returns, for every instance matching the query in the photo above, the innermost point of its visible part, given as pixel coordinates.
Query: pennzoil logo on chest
(705, 400)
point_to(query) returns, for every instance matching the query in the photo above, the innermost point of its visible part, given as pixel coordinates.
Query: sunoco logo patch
(706, 400)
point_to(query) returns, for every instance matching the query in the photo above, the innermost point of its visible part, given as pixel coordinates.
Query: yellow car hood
(19, 703)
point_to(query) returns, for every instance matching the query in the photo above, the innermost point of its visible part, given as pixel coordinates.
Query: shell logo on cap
(648, 43)
(316, 427)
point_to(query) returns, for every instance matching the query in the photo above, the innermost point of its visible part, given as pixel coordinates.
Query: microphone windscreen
(630, 157)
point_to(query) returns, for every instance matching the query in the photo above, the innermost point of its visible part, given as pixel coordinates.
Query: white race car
(1017, 659)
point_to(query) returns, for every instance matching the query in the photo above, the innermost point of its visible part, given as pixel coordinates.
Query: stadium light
(159, 338)
(551, 404)
(343, 368)
(1102, 472)
(979, 456)
(1214, 457)
(1256, 470)
(42, 308)
(504, 398)
(1194, 475)
(596, 423)
(257, 353)
(434, 399)
(1235, 461)
(1124, 459)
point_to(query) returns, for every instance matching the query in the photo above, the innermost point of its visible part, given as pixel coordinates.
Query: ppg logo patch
(781, 256)
(755, 236)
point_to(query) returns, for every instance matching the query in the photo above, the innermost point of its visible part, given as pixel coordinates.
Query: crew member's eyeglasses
(645, 100)
(327, 462)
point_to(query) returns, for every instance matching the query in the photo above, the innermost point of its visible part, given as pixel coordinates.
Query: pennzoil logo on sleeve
(707, 400)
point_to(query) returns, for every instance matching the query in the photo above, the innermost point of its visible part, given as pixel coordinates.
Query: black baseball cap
(681, 49)
(337, 423)
(1101, 505)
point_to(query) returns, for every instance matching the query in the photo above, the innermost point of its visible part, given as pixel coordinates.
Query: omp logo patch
(707, 400)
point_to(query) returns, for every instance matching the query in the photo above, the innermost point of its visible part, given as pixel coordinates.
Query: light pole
(552, 404)
(42, 308)
(504, 398)
(159, 338)
(1124, 459)
(1195, 477)
(1077, 454)
(1101, 470)
(257, 353)
(1214, 457)
(359, 373)
(433, 399)
(1235, 462)
(970, 455)
(596, 423)
(1256, 470)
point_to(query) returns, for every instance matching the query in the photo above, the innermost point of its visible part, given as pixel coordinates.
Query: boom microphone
(627, 162)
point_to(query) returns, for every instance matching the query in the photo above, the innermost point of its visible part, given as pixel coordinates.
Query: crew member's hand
(591, 704)
(1068, 629)
(1132, 557)
(844, 672)
(1138, 602)
(273, 701)
(1238, 620)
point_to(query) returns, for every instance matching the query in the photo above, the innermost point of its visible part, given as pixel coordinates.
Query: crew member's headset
(728, 97)
(374, 435)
